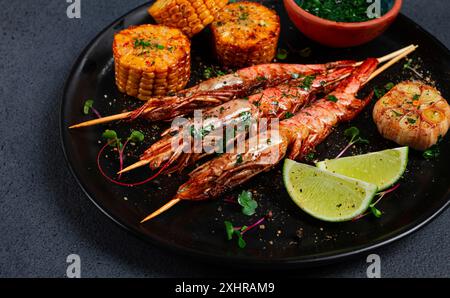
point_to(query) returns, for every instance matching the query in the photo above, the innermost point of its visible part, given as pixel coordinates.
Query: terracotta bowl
(340, 34)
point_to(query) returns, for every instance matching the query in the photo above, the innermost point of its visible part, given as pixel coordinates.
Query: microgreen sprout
(89, 106)
(376, 212)
(248, 204)
(408, 65)
(240, 231)
(282, 54)
(434, 151)
(113, 141)
(352, 133)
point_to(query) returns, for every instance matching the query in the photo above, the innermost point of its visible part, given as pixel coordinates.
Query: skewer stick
(173, 202)
(127, 114)
(393, 57)
(390, 63)
(136, 165)
(162, 209)
(102, 120)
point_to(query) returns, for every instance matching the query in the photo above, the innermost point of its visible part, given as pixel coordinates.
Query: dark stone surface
(44, 214)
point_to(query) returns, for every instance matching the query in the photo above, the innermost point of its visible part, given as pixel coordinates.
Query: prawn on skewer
(177, 144)
(216, 91)
(295, 138)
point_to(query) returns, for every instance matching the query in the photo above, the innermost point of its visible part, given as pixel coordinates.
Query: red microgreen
(353, 134)
(377, 213)
(240, 231)
(89, 106)
(114, 141)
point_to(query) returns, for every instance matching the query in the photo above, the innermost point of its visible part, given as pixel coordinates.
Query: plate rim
(236, 260)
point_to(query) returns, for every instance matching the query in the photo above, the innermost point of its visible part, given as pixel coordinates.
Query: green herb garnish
(88, 104)
(112, 138)
(239, 159)
(434, 151)
(307, 82)
(354, 135)
(136, 136)
(282, 54)
(375, 211)
(310, 156)
(343, 10)
(332, 98)
(288, 115)
(231, 230)
(248, 204)
(411, 120)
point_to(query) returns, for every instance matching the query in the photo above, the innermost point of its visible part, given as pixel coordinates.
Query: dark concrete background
(44, 216)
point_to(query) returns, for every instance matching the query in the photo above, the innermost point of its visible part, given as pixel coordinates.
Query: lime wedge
(381, 168)
(325, 195)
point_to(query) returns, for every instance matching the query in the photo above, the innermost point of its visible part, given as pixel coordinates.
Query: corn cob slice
(151, 60)
(190, 16)
(246, 33)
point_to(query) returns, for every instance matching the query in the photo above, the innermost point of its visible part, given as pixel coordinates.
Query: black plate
(197, 228)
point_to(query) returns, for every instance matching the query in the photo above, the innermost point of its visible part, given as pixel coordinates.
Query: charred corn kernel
(190, 16)
(147, 56)
(246, 33)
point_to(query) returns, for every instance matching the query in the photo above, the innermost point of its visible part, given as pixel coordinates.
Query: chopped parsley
(307, 82)
(288, 115)
(332, 98)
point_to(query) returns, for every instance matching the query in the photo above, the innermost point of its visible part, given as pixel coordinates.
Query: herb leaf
(282, 54)
(375, 211)
(110, 134)
(288, 115)
(88, 104)
(352, 132)
(241, 241)
(248, 204)
(229, 229)
(307, 82)
(136, 136)
(332, 98)
(434, 151)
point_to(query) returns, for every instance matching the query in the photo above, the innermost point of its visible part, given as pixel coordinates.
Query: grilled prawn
(412, 114)
(177, 145)
(294, 138)
(216, 91)
(219, 90)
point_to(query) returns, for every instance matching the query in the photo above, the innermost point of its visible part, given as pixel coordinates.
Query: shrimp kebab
(294, 138)
(219, 90)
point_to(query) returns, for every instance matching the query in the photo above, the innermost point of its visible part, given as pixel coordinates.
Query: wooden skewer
(136, 165)
(393, 57)
(127, 114)
(173, 202)
(164, 208)
(390, 63)
(102, 120)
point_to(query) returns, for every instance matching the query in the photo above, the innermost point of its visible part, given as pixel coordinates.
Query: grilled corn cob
(246, 33)
(190, 16)
(412, 114)
(151, 60)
